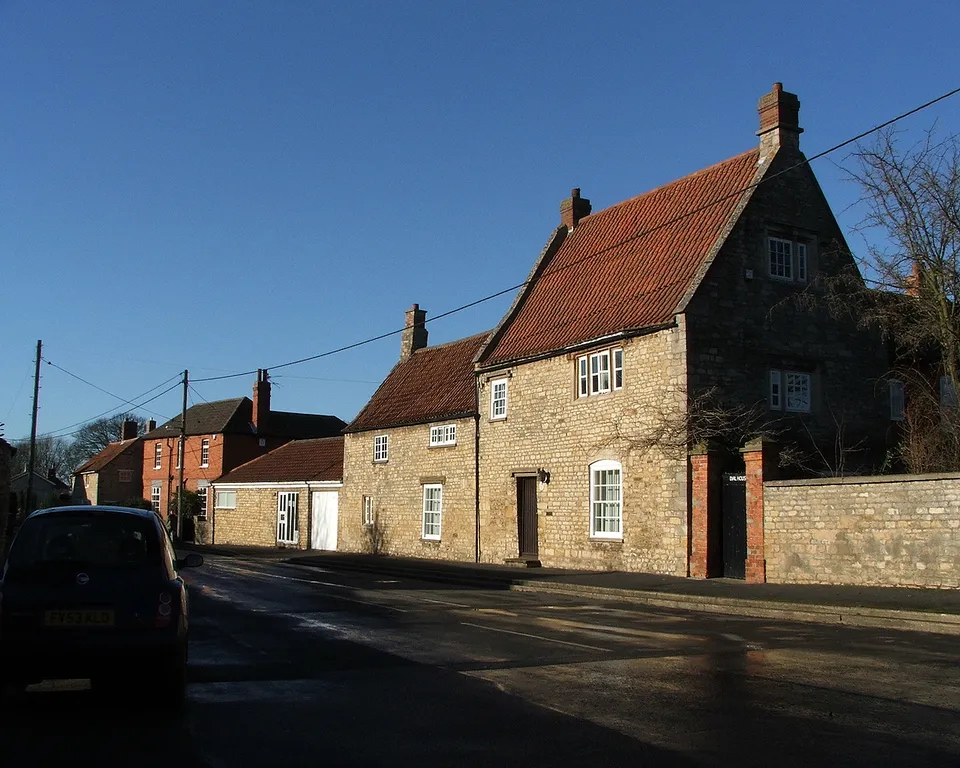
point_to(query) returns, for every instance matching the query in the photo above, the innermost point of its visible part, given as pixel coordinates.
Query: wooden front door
(527, 516)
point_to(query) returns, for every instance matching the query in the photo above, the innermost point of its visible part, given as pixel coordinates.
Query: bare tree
(52, 454)
(681, 423)
(908, 283)
(97, 435)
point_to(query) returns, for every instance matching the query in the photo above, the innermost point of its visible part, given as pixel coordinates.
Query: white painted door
(323, 530)
(287, 518)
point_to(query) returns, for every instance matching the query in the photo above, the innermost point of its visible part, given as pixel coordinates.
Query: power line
(62, 431)
(595, 254)
(100, 389)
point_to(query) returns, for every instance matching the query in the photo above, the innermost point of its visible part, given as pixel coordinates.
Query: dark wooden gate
(527, 516)
(734, 526)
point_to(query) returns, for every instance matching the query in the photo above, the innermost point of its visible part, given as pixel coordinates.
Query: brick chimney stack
(779, 122)
(151, 425)
(414, 334)
(129, 430)
(573, 209)
(261, 400)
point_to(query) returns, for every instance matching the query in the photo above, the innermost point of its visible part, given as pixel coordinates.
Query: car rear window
(104, 540)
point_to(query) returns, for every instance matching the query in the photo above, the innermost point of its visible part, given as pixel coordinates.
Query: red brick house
(220, 436)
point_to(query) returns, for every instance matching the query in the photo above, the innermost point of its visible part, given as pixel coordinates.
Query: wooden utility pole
(181, 455)
(27, 508)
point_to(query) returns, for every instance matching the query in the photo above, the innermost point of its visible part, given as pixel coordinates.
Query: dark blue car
(94, 592)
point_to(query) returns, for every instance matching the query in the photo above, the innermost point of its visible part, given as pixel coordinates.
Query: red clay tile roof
(626, 267)
(434, 383)
(298, 461)
(108, 454)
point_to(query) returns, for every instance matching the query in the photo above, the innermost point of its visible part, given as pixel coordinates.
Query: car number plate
(79, 618)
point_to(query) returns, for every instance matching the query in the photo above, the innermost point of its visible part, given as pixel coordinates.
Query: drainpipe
(476, 480)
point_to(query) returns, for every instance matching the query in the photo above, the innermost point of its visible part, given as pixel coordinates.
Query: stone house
(410, 481)
(288, 497)
(221, 436)
(583, 397)
(115, 474)
(629, 317)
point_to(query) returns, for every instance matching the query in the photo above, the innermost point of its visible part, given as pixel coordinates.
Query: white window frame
(432, 507)
(787, 259)
(776, 391)
(205, 452)
(369, 516)
(443, 434)
(599, 373)
(203, 491)
(158, 456)
(288, 529)
(124, 475)
(156, 490)
(780, 258)
(381, 449)
(224, 499)
(604, 498)
(498, 402)
(898, 400)
(795, 384)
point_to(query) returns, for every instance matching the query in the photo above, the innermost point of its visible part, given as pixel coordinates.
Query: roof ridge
(465, 339)
(688, 177)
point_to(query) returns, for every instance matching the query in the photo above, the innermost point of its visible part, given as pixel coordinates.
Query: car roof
(147, 514)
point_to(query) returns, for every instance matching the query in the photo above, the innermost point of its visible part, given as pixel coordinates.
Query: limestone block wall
(895, 530)
(547, 427)
(254, 521)
(396, 488)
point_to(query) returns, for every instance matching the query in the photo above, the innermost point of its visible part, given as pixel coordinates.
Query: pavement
(917, 609)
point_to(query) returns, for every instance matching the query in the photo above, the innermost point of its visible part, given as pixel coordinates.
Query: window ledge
(605, 540)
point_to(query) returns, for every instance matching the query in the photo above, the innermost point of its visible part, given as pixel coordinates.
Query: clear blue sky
(229, 186)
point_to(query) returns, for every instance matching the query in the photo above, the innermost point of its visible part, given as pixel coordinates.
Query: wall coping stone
(863, 480)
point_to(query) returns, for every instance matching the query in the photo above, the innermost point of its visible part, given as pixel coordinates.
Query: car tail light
(164, 610)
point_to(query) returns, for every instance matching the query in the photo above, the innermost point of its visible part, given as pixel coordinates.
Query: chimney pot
(414, 334)
(573, 209)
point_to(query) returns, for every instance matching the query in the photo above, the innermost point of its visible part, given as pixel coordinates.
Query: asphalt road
(294, 666)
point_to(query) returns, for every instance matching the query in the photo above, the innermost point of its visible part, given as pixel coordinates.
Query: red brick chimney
(779, 122)
(414, 334)
(573, 209)
(129, 431)
(261, 400)
(913, 281)
(151, 425)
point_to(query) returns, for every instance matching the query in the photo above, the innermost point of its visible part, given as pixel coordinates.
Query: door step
(523, 562)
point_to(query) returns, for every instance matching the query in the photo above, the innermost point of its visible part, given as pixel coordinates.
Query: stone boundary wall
(891, 530)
